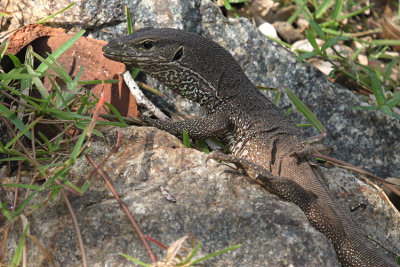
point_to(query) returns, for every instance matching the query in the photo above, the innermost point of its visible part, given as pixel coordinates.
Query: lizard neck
(184, 81)
(187, 80)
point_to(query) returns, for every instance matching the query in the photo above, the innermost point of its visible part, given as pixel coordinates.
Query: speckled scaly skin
(261, 137)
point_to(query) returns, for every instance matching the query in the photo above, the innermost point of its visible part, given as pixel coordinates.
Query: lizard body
(262, 138)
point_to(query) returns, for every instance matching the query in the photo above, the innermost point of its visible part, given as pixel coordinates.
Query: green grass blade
(54, 191)
(66, 115)
(61, 173)
(306, 12)
(391, 65)
(202, 146)
(216, 253)
(377, 88)
(6, 81)
(68, 97)
(228, 7)
(279, 41)
(185, 139)
(74, 187)
(387, 110)
(50, 165)
(55, 14)
(5, 211)
(21, 133)
(192, 254)
(277, 98)
(63, 73)
(21, 207)
(322, 8)
(4, 111)
(129, 26)
(85, 186)
(304, 110)
(18, 76)
(310, 37)
(315, 26)
(116, 113)
(135, 260)
(42, 90)
(29, 61)
(306, 55)
(355, 13)
(47, 141)
(385, 42)
(337, 9)
(29, 58)
(331, 42)
(51, 63)
(357, 52)
(3, 48)
(77, 149)
(15, 60)
(18, 253)
(74, 83)
(304, 125)
(300, 8)
(397, 116)
(97, 82)
(135, 72)
(13, 159)
(393, 101)
(64, 47)
(57, 90)
(4, 14)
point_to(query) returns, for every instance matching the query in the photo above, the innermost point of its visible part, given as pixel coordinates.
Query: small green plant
(129, 30)
(69, 107)
(228, 6)
(25, 103)
(185, 139)
(383, 103)
(327, 23)
(174, 259)
(307, 113)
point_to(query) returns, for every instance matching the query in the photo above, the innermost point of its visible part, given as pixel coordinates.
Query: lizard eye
(178, 54)
(147, 44)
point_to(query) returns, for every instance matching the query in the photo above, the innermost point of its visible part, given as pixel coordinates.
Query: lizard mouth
(111, 56)
(114, 54)
(120, 58)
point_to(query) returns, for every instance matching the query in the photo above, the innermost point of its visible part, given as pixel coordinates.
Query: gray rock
(214, 202)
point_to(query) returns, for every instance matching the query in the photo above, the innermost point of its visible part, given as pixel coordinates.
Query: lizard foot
(281, 186)
(250, 168)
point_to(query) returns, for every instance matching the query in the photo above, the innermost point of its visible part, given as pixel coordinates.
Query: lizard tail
(352, 246)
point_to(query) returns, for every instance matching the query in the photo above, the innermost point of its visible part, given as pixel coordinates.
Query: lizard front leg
(213, 125)
(284, 188)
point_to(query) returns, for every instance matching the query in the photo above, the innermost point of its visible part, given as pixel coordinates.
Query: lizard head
(144, 48)
(191, 65)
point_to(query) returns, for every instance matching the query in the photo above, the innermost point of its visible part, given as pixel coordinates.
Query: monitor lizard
(262, 139)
